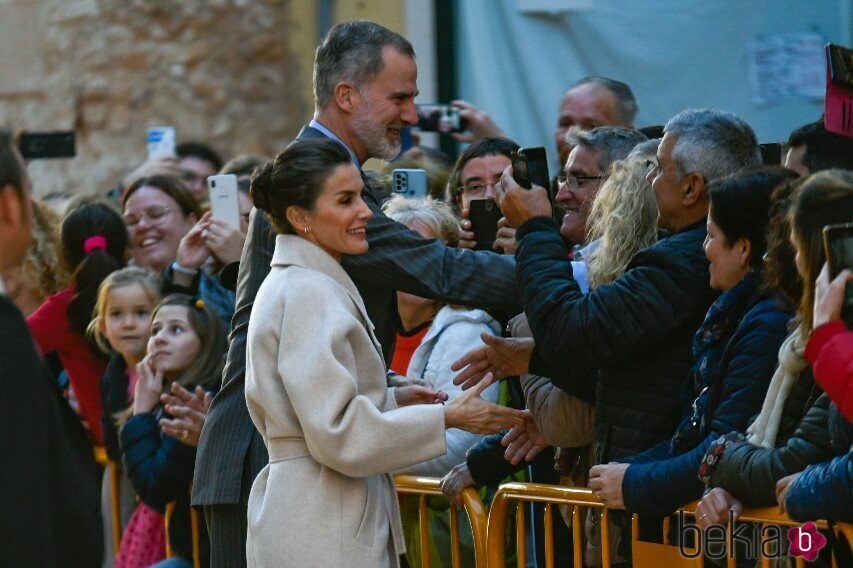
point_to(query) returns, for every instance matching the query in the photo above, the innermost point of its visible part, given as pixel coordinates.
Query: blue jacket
(665, 477)
(825, 490)
(637, 331)
(160, 469)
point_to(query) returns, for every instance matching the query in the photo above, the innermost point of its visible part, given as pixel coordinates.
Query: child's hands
(149, 386)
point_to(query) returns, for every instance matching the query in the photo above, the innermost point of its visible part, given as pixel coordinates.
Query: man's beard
(373, 134)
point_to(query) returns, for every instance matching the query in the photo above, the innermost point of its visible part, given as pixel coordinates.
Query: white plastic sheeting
(675, 54)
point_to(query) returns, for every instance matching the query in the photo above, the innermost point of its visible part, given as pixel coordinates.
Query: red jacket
(52, 332)
(830, 353)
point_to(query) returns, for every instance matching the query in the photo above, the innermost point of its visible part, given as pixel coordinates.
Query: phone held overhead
(47, 145)
(410, 183)
(224, 201)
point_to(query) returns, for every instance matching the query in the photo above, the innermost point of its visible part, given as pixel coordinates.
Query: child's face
(127, 320)
(174, 344)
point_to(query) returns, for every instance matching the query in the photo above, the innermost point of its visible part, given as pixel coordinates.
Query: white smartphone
(161, 141)
(224, 202)
(409, 183)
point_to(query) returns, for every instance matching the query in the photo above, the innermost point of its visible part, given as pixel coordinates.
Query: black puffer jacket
(637, 330)
(750, 473)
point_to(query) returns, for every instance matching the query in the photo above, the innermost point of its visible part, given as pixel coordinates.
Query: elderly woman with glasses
(170, 235)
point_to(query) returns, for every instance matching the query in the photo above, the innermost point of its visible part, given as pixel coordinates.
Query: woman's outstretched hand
(499, 357)
(470, 412)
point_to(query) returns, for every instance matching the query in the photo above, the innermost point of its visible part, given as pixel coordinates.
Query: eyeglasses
(575, 182)
(154, 213)
(478, 187)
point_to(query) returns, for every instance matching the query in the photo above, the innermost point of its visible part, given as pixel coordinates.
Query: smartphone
(160, 141)
(838, 246)
(224, 203)
(530, 166)
(484, 215)
(47, 145)
(409, 183)
(441, 118)
(771, 153)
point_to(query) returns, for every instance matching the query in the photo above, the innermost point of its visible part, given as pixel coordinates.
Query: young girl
(186, 347)
(93, 242)
(120, 328)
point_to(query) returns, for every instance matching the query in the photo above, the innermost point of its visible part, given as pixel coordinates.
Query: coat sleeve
(487, 464)
(430, 269)
(343, 429)
(750, 473)
(160, 468)
(575, 332)
(823, 491)
(564, 420)
(452, 344)
(830, 352)
(45, 324)
(659, 488)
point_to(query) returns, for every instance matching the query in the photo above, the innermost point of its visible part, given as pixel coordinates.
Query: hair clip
(198, 303)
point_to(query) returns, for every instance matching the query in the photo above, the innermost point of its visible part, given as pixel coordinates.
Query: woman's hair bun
(262, 184)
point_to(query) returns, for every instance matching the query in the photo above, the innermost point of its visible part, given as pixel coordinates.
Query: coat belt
(281, 449)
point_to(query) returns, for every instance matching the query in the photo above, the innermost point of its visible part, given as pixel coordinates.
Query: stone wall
(219, 71)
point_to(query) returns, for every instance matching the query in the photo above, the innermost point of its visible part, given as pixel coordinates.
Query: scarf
(762, 432)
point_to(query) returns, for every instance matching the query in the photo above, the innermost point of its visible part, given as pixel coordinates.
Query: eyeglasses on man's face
(576, 182)
(478, 187)
(155, 214)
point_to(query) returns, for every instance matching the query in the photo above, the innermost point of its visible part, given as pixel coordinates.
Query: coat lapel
(291, 250)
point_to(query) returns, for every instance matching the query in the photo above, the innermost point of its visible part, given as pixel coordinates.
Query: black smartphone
(530, 166)
(484, 215)
(441, 118)
(838, 246)
(771, 153)
(47, 145)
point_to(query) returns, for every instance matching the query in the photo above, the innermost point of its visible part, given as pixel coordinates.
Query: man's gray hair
(614, 142)
(626, 103)
(352, 52)
(713, 143)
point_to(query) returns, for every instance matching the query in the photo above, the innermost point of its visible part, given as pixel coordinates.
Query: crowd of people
(659, 325)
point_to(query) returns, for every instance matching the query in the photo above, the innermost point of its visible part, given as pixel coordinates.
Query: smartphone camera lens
(212, 183)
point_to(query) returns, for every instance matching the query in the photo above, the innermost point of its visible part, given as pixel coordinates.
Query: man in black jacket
(365, 82)
(49, 482)
(637, 330)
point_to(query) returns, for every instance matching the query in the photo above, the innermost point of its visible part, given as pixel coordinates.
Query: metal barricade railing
(474, 509)
(112, 469)
(550, 495)
(650, 554)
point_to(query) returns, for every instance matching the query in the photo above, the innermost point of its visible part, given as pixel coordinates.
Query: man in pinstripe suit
(365, 82)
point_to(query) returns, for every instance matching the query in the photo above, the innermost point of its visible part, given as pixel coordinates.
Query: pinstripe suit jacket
(397, 259)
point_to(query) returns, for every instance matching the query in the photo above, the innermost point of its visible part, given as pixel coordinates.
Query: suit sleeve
(343, 429)
(430, 269)
(575, 332)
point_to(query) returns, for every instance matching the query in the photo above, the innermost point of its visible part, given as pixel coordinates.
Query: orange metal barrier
(474, 508)
(651, 554)
(194, 528)
(551, 495)
(111, 469)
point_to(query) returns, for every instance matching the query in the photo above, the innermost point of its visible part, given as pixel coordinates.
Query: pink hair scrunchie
(95, 242)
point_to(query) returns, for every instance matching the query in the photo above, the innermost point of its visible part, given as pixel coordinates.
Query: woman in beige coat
(316, 383)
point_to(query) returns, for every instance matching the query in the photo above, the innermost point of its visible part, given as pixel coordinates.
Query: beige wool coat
(316, 390)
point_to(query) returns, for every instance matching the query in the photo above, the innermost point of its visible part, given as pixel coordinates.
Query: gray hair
(626, 103)
(352, 52)
(713, 143)
(435, 214)
(614, 142)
